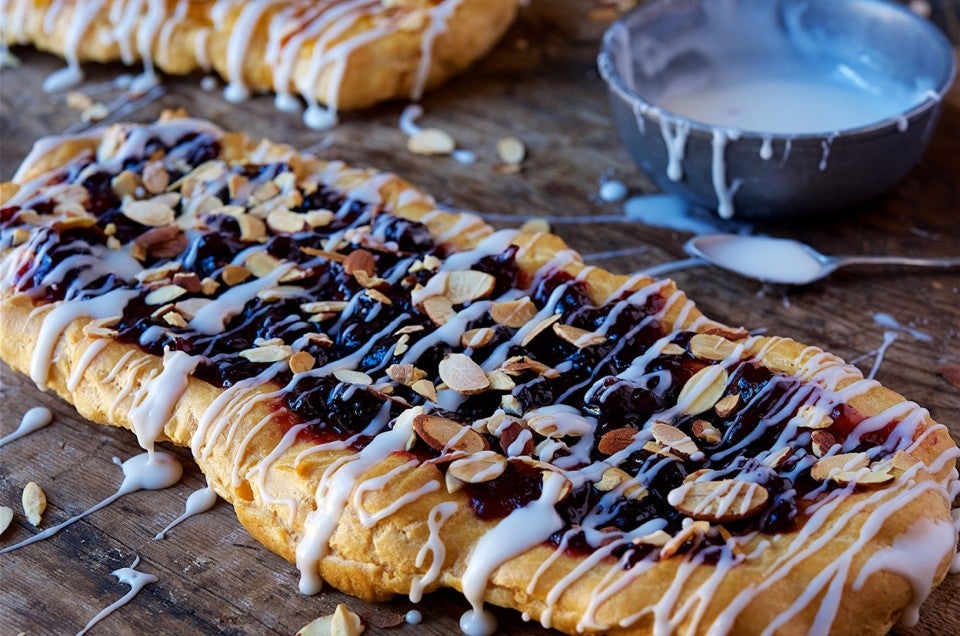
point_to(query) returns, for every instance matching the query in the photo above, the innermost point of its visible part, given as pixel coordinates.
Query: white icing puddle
(140, 472)
(199, 501)
(33, 420)
(128, 576)
(762, 258)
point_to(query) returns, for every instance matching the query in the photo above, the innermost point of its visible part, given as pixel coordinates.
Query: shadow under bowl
(901, 64)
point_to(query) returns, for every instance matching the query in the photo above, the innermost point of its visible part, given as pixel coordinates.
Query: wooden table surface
(541, 86)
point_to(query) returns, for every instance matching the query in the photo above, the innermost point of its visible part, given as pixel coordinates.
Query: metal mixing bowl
(759, 173)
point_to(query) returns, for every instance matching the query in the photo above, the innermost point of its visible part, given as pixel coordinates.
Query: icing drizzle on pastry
(618, 428)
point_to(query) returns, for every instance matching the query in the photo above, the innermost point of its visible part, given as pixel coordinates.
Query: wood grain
(540, 85)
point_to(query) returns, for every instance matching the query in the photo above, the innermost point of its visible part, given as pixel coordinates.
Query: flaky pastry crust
(274, 500)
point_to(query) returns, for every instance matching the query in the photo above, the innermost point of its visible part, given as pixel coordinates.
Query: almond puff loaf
(396, 398)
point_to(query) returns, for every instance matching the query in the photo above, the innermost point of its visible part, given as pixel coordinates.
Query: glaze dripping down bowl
(768, 108)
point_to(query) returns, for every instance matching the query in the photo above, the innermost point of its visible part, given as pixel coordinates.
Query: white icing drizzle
(128, 576)
(434, 547)
(200, 500)
(33, 420)
(158, 397)
(140, 472)
(367, 519)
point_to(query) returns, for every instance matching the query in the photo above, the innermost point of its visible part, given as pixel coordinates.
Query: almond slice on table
(442, 434)
(6, 516)
(342, 622)
(719, 501)
(431, 141)
(34, 503)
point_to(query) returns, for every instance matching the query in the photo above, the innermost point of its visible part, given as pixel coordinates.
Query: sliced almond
(580, 338)
(431, 141)
(101, 327)
(703, 390)
(125, 184)
(34, 503)
(478, 468)
(863, 479)
(709, 346)
(301, 362)
(155, 177)
(463, 375)
(439, 309)
(405, 374)
(468, 285)
(175, 319)
(6, 516)
(719, 501)
(615, 477)
(513, 313)
(149, 212)
(379, 296)
(821, 442)
(350, 376)
(511, 151)
(705, 431)
(269, 353)
(826, 467)
(319, 218)
(538, 328)
(441, 434)
(615, 440)
(903, 460)
(727, 405)
(515, 438)
(283, 221)
(164, 295)
(558, 424)
(426, 389)
(360, 261)
(500, 381)
(324, 306)
(262, 264)
(811, 416)
(342, 622)
(520, 364)
(401, 347)
(336, 257)
(476, 338)
(672, 349)
(673, 439)
(778, 458)
(234, 274)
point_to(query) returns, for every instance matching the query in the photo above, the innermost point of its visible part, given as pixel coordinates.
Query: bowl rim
(641, 105)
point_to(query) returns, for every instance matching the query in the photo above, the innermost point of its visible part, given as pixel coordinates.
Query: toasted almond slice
(580, 338)
(476, 338)
(821, 442)
(719, 501)
(463, 375)
(510, 404)
(149, 212)
(101, 327)
(324, 306)
(615, 477)
(903, 460)
(164, 295)
(538, 328)
(468, 285)
(401, 347)
(405, 374)
(319, 218)
(558, 424)
(615, 440)
(673, 439)
(708, 346)
(778, 458)
(442, 434)
(6, 516)
(234, 274)
(269, 353)
(301, 362)
(352, 377)
(283, 221)
(439, 309)
(379, 296)
(863, 479)
(692, 532)
(513, 313)
(519, 364)
(426, 389)
(266, 190)
(811, 416)
(727, 405)
(702, 390)
(262, 264)
(34, 503)
(478, 468)
(187, 280)
(360, 261)
(155, 177)
(511, 150)
(125, 184)
(336, 257)
(174, 319)
(657, 538)
(515, 439)
(672, 349)
(836, 464)
(705, 431)
(342, 622)
(431, 141)
(500, 381)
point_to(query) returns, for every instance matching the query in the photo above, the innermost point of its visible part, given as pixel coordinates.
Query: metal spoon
(785, 261)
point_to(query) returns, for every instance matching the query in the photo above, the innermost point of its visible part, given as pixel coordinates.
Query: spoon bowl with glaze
(788, 262)
(775, 108)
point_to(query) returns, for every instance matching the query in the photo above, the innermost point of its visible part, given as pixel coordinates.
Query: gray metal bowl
(666, 41)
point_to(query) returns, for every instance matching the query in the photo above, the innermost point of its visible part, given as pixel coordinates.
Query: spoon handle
(898, 260)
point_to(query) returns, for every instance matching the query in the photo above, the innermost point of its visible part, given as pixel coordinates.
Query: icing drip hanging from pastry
(332, 54)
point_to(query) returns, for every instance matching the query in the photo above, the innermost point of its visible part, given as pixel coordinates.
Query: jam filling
(325, 309)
